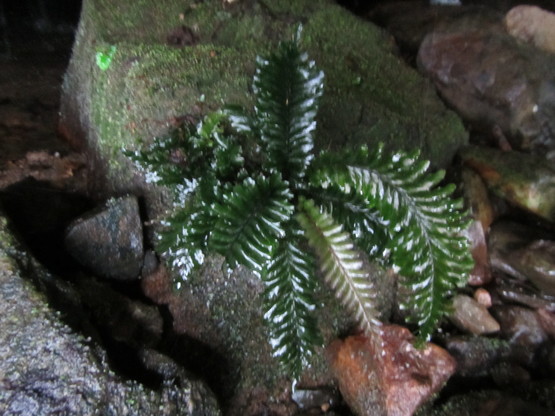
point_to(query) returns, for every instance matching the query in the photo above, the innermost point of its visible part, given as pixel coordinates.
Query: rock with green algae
(47, 369)
(150, 85)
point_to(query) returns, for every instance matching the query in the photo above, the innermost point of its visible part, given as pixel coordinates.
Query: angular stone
(388, 376)
(537, 262)
(523, 329)
(109, 241)
(468, 315)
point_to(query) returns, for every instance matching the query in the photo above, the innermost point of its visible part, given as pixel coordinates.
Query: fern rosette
(283, 212)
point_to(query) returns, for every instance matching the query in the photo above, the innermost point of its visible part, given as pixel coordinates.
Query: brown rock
(468, 315)
(537, 263)
(522, 328)
(481, 272)
(494, 82)
(533, 25)
(388, 376)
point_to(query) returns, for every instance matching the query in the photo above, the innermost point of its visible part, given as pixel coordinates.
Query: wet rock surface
(388, 375)
(109, 241)
(46, 368)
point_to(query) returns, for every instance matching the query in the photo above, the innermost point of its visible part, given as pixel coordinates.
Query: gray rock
(468, 315)
(109, 241)
(476, 355)
(48, 369)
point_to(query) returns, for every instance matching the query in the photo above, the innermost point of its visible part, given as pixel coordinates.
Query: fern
(249, 222)
(289, 303)
(341, 264)
(427, 247)
(249, 187)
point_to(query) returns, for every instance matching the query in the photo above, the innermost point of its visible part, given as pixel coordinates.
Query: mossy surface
(370, 96)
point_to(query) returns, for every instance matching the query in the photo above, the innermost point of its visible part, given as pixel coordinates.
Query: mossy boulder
(175, 60)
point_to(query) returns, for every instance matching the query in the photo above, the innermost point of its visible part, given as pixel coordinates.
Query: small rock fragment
(393, 378)
(533, 25)
(109, 242)
(468, 315)
(483, 297)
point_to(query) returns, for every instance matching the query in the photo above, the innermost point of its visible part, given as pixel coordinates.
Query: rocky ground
(497, 348)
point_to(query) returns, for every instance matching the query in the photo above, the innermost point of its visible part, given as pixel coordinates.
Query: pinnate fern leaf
(250, 221)
(287, 87)
(290, 284)
(427, 247)
(341, 265)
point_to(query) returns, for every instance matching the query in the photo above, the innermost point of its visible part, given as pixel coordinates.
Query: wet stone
(524, 180)
(388, 376)
(470, 316)
(476, 355)
(470, 70)
(537, 262)
(522, 328)
(109, 241)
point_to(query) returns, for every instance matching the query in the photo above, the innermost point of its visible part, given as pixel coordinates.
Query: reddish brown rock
(388, 376)
(533, 25)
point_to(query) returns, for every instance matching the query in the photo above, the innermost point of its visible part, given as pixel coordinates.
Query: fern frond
(288, 299)
(184, 237)
(250, 221)
(287, 87)
(341, 264)
(427, 247)
(363, 223)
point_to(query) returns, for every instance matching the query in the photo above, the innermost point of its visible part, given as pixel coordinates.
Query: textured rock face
(391, 379)
(176, 60)
(46, 369)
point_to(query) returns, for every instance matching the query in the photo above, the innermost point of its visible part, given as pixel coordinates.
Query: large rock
(155, 81)
(46, 368)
